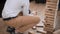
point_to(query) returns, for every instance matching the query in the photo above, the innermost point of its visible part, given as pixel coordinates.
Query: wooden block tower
(51, 13)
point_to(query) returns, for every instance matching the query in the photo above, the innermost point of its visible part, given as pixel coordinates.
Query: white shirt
(13, 7)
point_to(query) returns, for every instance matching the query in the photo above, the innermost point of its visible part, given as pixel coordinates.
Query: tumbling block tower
(50, 13)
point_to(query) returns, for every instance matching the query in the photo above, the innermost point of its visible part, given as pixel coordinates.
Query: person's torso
(13, 7)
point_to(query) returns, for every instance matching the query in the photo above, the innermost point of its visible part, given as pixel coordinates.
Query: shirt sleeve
(26, 8)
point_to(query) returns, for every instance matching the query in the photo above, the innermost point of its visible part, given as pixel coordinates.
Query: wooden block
(51, 7)
(50, 11)
(49, 29)
(40, 26)
(31, 32)
(49, 17)
(51, 1)
(48, 25)
(51, 24)
(53, 4)
(49, 14)
(40, 30)
(49, 21)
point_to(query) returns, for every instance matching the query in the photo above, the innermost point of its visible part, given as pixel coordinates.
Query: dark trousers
(2, 2)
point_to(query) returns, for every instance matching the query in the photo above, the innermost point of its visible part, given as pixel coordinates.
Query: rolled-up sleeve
(26, 8)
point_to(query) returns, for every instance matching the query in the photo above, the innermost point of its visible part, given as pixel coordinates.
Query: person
(11, 15)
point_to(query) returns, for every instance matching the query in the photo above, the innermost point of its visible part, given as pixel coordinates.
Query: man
(21, 23)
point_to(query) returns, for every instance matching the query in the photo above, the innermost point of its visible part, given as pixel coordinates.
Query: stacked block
(51, 10)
